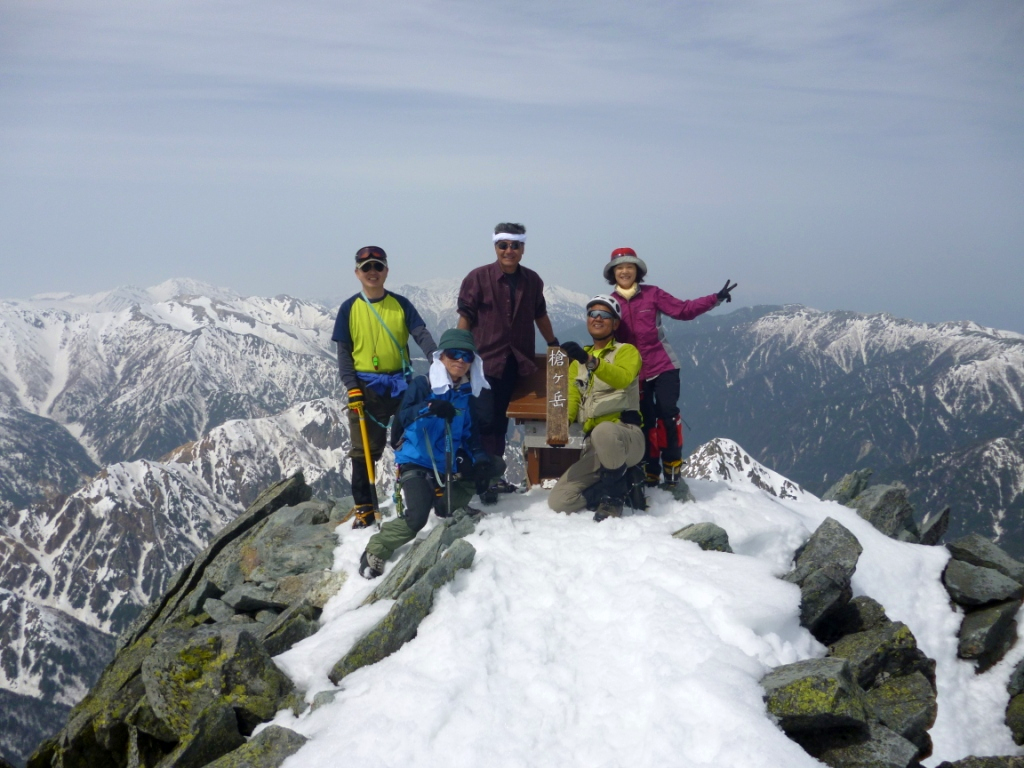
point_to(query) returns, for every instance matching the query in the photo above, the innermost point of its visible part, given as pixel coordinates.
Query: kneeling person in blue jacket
(431, 410)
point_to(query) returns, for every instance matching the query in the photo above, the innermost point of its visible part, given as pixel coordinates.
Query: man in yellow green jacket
(604, 395)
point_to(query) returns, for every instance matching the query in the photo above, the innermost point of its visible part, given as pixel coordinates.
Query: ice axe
(369, 463)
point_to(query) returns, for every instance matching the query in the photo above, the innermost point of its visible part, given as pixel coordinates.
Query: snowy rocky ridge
(135, 423)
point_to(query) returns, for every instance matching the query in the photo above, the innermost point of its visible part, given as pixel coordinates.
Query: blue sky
(845, 155)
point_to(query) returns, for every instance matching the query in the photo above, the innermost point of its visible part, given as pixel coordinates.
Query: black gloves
(483, 469)
(723, 295)
(442, 409)
(576, 352)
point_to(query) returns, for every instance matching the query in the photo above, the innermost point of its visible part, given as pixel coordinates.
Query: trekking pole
(448, 465)
(369, 464)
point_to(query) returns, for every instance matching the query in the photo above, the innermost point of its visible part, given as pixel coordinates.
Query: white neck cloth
(507, 236)
(441, 382)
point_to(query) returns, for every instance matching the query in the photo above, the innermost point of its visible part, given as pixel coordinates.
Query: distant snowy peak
(126, 296)
(722, 459)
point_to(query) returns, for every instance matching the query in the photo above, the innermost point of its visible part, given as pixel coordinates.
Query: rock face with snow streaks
(937, 407)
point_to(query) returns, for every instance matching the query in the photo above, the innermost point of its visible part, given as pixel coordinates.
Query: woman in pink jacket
(642, 308)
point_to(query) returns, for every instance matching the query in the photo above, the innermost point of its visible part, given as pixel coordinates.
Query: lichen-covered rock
(814, 695)
(267, 749)
(214, 733)
(849, 487)
(985, 762)
(886, 651)
(401, 622)
(292, 626)
(1015, 718)
(188, 672)
(287, 545)
(886, 507)
(906, 705)
(987, 634)
(973, 585)
(977, 550)
(880, 748)
(707, 536)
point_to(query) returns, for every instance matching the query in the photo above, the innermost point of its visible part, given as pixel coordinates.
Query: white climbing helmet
(608, 301)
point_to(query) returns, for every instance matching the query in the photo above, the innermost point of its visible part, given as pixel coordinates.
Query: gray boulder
(824, 567)
(267, 749)
(815, 695)
(707, 536)
(977, 550)
(887, 651)
(880, 748)
(987, 634)
(1016, 684)
(290, 627)
(1015, 718)
(907, 706)
(849, 487)
(985, 762)
(974, 585)
(934, 527)
(886, 507)
(249, 598)
(421, 557)
(214, 733)
(859, 615)
(402, 621)
(188, 672)
(218, 610)
(830, 544)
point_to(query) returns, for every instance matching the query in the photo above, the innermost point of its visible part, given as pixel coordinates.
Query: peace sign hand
(724, 294)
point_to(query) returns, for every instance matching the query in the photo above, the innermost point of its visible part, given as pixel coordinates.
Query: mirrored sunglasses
(461, 355)
(515, 245)
(600, 313)
(376, 266)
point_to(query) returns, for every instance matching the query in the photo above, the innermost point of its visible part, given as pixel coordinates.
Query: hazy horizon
(864, 156)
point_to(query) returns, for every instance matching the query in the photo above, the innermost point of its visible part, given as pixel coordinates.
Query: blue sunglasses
(462, 355)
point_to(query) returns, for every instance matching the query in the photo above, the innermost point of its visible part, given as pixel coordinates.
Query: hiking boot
(651, 479)
(489, 497)
(608, 507)
(673, 471)
(363, 516)
(370, 566)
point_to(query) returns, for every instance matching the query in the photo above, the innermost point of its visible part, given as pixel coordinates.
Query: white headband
(507, 236)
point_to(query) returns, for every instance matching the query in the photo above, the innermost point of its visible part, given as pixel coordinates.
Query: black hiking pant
(659, 399)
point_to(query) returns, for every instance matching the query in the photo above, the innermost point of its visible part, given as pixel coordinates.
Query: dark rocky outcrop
(707, 536)
(985, 762)
(824, 567)
(871, 701)
(193, 680)
(430, 564)
(977, 550)
(193, 677)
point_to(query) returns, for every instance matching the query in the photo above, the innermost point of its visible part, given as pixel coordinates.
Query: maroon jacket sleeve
(469, 298)
(682, 309)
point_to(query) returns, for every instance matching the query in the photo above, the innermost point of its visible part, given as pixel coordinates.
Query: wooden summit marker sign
(558, 397)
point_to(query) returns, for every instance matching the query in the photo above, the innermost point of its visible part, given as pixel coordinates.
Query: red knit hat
(624, 256)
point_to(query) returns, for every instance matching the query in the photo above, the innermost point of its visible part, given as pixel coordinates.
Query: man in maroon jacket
(500, 303)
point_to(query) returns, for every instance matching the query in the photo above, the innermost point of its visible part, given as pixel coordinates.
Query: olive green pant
(609, 445)
(419, 490)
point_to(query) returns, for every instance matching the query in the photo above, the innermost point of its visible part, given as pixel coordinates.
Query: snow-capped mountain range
(135, 423)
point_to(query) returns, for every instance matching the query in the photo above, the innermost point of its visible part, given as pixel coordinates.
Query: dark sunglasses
(600, 313)
(376, 266)
(515, 245)
(461, 355)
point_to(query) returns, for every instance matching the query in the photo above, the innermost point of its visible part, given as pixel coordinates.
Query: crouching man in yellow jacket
(604, 395)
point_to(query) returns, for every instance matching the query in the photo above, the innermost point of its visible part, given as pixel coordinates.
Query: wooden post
(558, 397)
